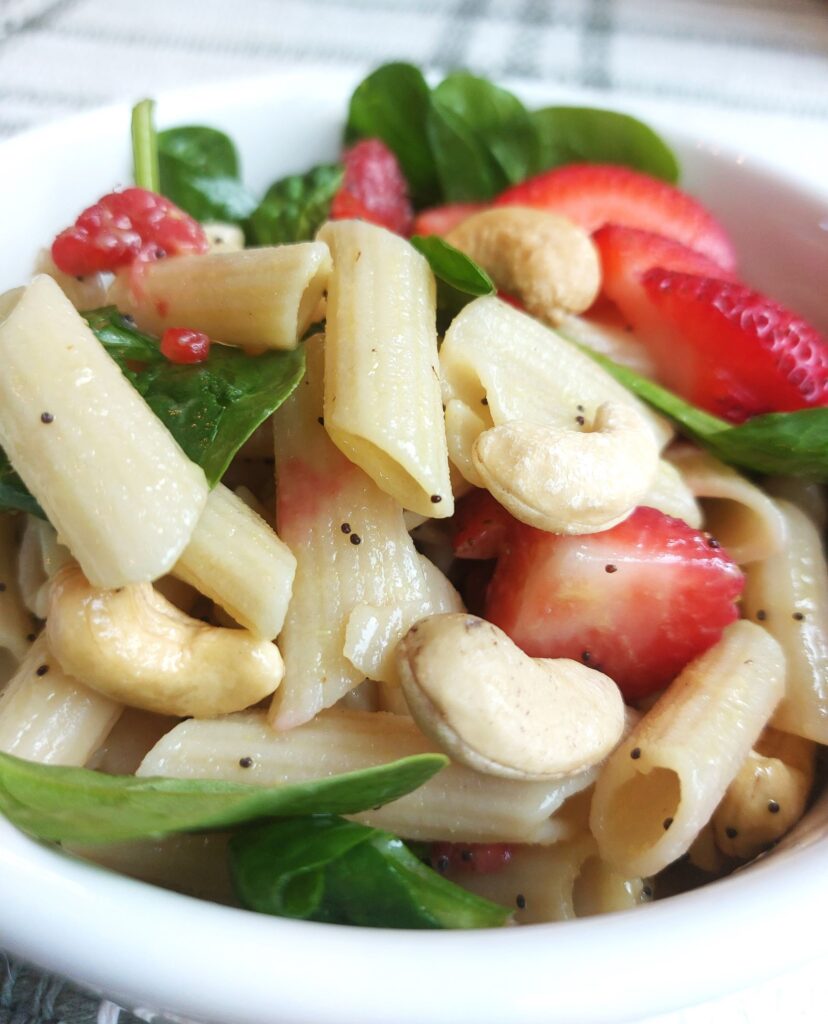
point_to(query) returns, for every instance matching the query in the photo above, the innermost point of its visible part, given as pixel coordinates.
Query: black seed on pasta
(731, 832)
(346, 527)
(773, 807)
(42, 670)
(635, 753)
(355, 538)
(245, 762)
(520, 901)
(761, 615)
(667, 823)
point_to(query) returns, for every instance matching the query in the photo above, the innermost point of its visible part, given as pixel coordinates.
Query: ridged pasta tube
(236, 560)
(661, 784)
(46, 715)
(382, 389)
(15, 622)
(40, 556)
(120, 492)
(458, 804)
(257, 299)
(788, 594)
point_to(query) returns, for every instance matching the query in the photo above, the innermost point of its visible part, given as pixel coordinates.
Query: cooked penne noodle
(742, 518)
(767, 797)
(223, 237)
(499, 361)
(129, 741)
(364, 697)
(16, 624)
(46, 715)
(119, 491)
(458, 804)
(704, 854)
(788, 594)
(554, 883)
(351, 547)
(40, 556)
(670, 494)
(810, 497)
(87, 292)
(382, 390)
(257, 299)
(236, 560)
(665, 780)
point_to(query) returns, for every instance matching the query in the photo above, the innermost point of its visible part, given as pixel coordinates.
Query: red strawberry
(373, 188)
(477, 858)
(596, 194)
(720, 345)
(481, 526)
(638, 601)
(439, 220)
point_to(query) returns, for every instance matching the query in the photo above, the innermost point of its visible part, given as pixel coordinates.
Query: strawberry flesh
(439, 220)
(373, 188)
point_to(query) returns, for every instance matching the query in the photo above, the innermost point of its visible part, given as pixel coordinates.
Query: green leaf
(145, 146)
(210, 408)
(453, 266)
(199, 171)
(392, 104)
(14, 495)
(323, 868)
(482, 138)
(82, 806)
(789, 443)
(586, 134)
(294, 208)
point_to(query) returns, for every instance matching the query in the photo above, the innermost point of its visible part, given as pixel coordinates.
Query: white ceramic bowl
(147, 947)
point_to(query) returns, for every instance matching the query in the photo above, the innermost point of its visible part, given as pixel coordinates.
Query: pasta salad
(435, 542)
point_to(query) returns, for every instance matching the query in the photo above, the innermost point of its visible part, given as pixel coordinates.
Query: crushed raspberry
(479, 858)
(181, 345)
(122, 226)
(374, 188)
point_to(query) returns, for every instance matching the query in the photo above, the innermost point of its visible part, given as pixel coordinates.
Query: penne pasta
(236, 560)
(257, 299)
(382, 389)
(742, 518)
(671, 495)
(665, 780)
(129, 741)
(223, 237)
(87, 292)
(458, 804)
(810, 497)
(120, 492)
(41, 555)
(351, 548)
(788, 594)
(16, 626)
(46, 715)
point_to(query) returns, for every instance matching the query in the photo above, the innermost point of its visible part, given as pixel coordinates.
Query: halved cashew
(495, 709)
(548, 262)
(134, 645)
(570, 481)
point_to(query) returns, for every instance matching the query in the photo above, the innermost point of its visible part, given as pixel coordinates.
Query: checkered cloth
(760, 65)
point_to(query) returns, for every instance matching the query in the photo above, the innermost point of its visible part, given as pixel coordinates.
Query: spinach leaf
(789, 443)
(574, 134)
(199, 171)
(459, 278)
(482, 137)
(14, 495)
(323, 868)
(210, 408)
(145, 146)
(392, 104)
(82, 806)
(294, 208)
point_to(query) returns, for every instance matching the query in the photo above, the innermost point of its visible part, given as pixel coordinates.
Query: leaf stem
(145, 147)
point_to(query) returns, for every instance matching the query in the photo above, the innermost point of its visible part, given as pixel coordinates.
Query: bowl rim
(213, 964)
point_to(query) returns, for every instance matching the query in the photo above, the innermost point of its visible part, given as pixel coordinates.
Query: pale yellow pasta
(705, 854)
(671, 495)
(46, 715)
(554, 883)
(499, 365)
(664, 781)
(458, 804)
(223, 237)
(788, 593)
(88, 292)
(382, 390)
(238, 561)
(40, 556)
(808, 496)
(16, 624)
(257, 299)
(767, 797)
(119, 491)
(129, 741)
(742, 518)
(351, 548)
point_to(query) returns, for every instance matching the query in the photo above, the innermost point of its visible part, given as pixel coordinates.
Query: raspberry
(181, 345)
(374, 188)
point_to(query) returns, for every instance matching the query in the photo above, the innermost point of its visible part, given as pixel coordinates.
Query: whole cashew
(135, 646)
(570, 481)
(546, 261)
(495, 709)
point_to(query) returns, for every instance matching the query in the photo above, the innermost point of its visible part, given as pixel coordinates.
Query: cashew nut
(495, 709)
(546, 261)
(570, 481)
(135, 646)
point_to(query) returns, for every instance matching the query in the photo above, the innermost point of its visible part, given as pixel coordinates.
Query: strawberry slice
(373, 188)
(596, 194)
(638, 601)
(481, 526)
(439, 220)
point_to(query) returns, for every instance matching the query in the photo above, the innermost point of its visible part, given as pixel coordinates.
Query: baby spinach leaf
(210, 408)
(14, 495)
(82, 806)
(199, 171)
(392, 104)
(323, 868)
(790, 443)
(575, 134)
(294, 208)
(452, 266)
(145, 146)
